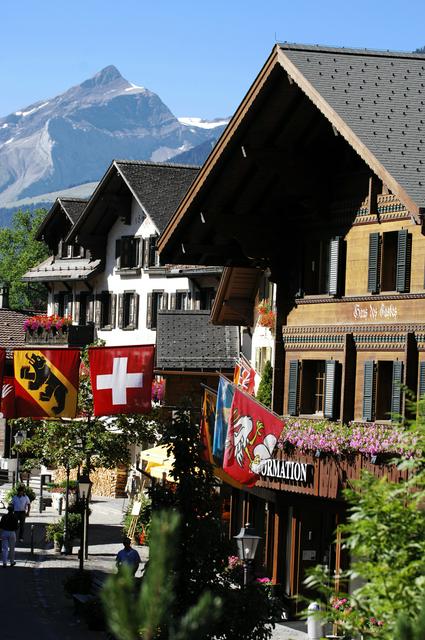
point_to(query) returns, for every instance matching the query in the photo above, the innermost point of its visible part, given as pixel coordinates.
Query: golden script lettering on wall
(373, 312)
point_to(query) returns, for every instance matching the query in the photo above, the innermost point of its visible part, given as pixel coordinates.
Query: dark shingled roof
(188, 340)
(380, 96)
(159, 188)
(73, 207)
(12, 333)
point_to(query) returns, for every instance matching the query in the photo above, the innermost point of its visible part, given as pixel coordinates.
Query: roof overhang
(235, 297)
(217, 221)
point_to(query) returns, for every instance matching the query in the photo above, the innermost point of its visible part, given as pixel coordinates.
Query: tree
(264, 393)
(203, 551)
(385, 534)
(148, 613)
(19, 251)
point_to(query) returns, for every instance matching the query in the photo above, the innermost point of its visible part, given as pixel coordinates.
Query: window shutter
(145, 245)
(118, 253)
(164, 302)
(97, 310)
(334, 266)
(121, 311)
(134, 311)
(172, 301)
(331, 371)
(373, 271)
(293, 388)
(403, 261)
(421, 389)
(396, 392)
(197, 300)
(368, 390)
(76, 316)
(113, 309)
(149, 311)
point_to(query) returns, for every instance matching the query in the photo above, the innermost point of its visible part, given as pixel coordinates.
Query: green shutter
(403, 261)
(331, 375)
(121, 311)
(113, 309)
(368, 390)
(293, 388)
(396, 393)
(373, 270)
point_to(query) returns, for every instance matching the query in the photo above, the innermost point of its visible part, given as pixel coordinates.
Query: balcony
(69, 336)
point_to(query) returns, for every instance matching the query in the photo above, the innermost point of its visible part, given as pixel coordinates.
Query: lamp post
(19, 438)
(84, 485)
(65, 544)
(247, 542)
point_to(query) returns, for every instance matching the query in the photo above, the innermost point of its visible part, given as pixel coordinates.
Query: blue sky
(200, 57)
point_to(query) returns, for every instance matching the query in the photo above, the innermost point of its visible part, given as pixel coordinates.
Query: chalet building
(104, 274)
(319, 180)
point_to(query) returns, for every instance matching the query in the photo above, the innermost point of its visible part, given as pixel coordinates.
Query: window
(70, 250)
(105, 310)
(151, 257)
(314, 388)
(127, 252)
(382, 389)
(389, 261)
(128, 310)
(206, 297)
(156, 301)
(324, 265)
(262, 355)
(182, 300)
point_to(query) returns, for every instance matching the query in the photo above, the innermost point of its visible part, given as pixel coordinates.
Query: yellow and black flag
(46, 382)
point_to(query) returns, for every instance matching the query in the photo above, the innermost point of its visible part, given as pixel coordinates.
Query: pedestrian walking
(22, 506)
(8, 526)
(128, 556)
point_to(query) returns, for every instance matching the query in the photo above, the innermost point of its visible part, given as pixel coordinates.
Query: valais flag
(121, 379)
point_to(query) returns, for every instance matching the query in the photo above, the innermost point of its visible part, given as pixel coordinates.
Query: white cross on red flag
(121, 379)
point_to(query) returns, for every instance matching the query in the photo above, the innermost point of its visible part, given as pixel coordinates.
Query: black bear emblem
(43, 375)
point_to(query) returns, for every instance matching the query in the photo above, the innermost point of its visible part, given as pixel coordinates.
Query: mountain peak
(103, 77)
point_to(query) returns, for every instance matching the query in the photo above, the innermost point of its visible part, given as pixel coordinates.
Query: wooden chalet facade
(319, 179)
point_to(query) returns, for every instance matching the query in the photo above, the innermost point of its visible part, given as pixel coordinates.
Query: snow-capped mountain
(71, 139)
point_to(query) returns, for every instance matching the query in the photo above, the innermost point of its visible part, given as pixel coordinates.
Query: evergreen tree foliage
(264, 393)
(19, 251)
(149, 613)
(202, 560)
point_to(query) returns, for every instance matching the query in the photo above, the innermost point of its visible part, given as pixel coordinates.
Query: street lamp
(84, 486)
(19, 438)
(65, 544)
(247, 542)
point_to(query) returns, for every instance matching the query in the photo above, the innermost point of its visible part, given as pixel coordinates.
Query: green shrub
(74, 527)
(264, 393)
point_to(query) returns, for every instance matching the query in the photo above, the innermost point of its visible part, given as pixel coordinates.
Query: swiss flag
(121, 379)
(8, 398)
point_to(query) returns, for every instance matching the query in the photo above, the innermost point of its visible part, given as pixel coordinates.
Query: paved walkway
(32, 591)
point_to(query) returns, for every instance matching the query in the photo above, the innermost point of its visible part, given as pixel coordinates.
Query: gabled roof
(374, 101)
(158, 189)
(72, 208)
(12, 334)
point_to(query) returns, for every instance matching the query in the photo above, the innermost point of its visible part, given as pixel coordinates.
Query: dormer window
(74, 250)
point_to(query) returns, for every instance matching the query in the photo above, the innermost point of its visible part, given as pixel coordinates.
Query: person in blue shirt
(128, 556)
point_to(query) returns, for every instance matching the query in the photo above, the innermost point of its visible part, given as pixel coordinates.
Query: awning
(159, 462)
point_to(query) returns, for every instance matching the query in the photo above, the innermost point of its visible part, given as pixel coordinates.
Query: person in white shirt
(21, 506)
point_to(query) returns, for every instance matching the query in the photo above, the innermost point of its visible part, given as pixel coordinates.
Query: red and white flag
(252, 436)
(8, 398)
(121, 379)
(244, 375)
